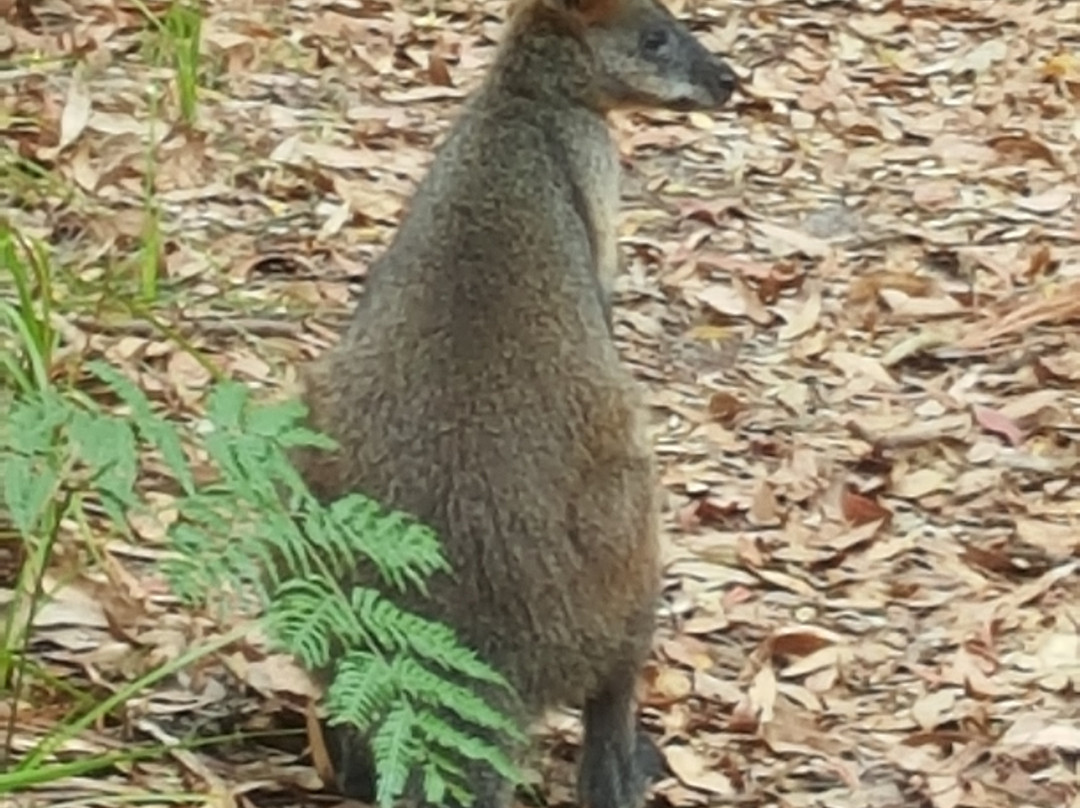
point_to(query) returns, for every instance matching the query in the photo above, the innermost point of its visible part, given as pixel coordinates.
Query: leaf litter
(853, 297)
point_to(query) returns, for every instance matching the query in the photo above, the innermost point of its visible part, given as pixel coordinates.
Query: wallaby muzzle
(718, 78)
(712, 77)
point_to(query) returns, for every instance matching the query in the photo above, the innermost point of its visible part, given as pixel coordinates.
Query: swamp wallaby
(478, 388)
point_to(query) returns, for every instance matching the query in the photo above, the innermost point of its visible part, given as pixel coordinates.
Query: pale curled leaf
(76, 114)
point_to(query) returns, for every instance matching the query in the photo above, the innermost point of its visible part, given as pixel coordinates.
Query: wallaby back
(478, 389)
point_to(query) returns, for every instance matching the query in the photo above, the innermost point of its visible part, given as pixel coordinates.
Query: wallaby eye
(654, 40)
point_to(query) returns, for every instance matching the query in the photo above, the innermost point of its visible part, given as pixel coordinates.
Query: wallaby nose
(714, 77)
(722, 81)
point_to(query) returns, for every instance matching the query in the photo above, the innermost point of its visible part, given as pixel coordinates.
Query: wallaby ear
(579, 12)
(592, 11)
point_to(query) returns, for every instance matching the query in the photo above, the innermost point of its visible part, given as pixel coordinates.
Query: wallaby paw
(651, 763)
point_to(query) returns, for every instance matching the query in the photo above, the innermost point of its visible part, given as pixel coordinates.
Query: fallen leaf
(1038, 731)
(785, 241)
(805, 316)
(921, 482)
(76, 113)
(724, 407)
(993, 421)
(1048, 201)
(934, 708)
(860, 510)
(695, 772)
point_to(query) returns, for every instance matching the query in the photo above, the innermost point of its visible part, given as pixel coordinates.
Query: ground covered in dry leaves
(853, 295)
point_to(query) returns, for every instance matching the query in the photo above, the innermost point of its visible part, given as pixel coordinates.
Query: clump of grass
(28, 320)
(176, 41)
(151, 244)
(183, 23)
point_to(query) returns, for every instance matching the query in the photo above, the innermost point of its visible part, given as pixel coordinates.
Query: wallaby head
(643, 56)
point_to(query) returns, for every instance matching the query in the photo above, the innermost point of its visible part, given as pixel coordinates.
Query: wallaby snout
(715, 80)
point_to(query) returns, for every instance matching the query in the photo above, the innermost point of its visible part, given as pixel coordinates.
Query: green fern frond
(396, 752)
(444, 776)
(190, 581)
(310, 618)
(30, 427)
(408, 551)
(156, 431)
(107, 447)
(364, 685)
(438, 732)
(402, 551)
(397, 629)
(256, 537)
(423, 685)
(27, 489)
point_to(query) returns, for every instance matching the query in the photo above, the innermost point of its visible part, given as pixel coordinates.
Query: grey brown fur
(478, 388)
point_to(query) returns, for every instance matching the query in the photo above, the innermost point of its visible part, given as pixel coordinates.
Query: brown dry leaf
(439, 71)
(802, 640)
(672, 684)
(688, 651)
(822, 663)
(866, 287)
(764, 507)
(860, 510)
(920, 307)
(849, 539)
(1048, 201)
(785, 581)
(694, 771)
(935, 194)
(921, 482)
(724, 407)
(1058, 540)
(1032, 406)
(1023, 147)
(188, 375)
(715, 689)
(1038, 731)
(783, 241)
(995, 422)
(76, 113)
(805, 316)
(762, 694)
(855, 365)
(934, 708)
(421, 94)
(1065, 366)
(75, 604)
(735, 300)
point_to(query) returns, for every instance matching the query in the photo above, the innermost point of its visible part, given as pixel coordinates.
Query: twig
(212, 326)
(950, 426)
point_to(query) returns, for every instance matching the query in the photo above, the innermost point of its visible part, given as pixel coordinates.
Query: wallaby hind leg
(354, 763)
(611, 774)
(488, 787)
(356, 777)
(650, 759)
(354, 766)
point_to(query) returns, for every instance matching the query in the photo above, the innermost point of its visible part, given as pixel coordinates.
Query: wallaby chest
(595, 168)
